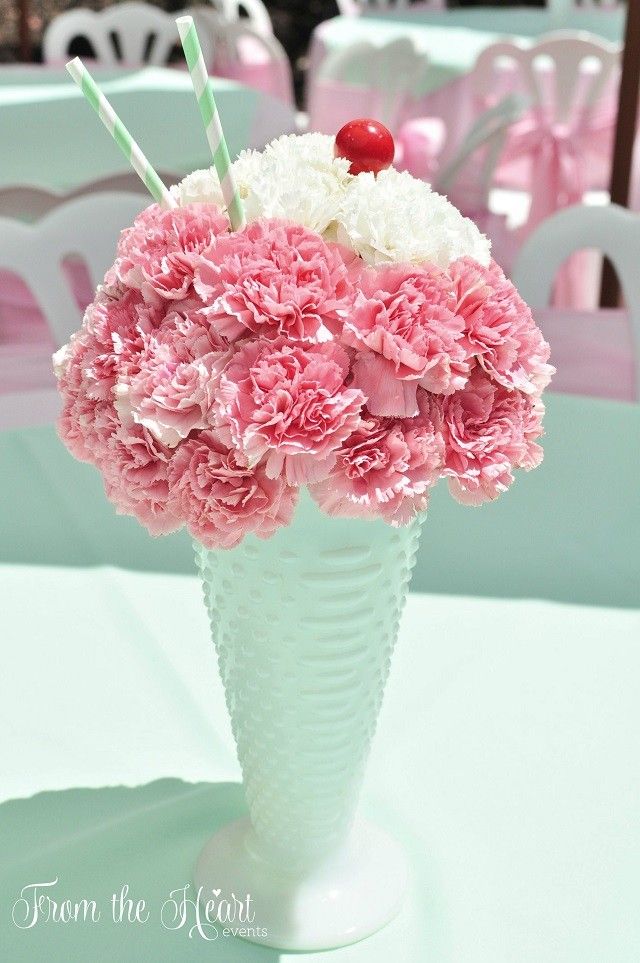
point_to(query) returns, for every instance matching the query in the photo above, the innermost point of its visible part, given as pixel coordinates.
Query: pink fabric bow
(566, 159)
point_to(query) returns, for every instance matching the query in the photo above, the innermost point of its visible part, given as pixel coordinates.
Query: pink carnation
(384, 468)
(86, 426)
(500, 330)
(160, 253)
(115, 334)
(135, 473)
(187, 332)
(275, 279)
(170, 398)
(289, 403)
(223, 500)
(172, 389)
(487, 431)
(216, 372)
(405, 326)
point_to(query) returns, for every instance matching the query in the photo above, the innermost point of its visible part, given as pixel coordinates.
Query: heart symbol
(216, 892)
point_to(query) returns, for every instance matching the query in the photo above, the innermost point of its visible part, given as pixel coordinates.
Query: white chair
(581, 67)
(562, 148)
(252, 12)
(612, 230)
(85, 230)
(364, 79)
(129, 33)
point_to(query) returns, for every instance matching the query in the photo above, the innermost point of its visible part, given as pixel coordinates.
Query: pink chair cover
(332, 103)
(254, 68)
(557, 163)
(593, 352)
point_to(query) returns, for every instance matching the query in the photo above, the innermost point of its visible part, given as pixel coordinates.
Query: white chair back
(582, 66)
(612, 230)
(387, 75)
(252, 12)
(86, 227)
(486, 133)
(130, 33)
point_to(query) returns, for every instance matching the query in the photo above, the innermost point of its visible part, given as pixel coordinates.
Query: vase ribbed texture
(304, 626)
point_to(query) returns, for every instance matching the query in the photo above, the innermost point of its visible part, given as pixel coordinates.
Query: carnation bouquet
(286, 356)
(355, 338)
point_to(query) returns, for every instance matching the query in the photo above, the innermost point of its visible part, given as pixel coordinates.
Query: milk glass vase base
(349, 896)
(304, 626)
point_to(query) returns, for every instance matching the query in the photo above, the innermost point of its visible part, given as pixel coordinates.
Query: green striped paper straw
(211, 119)
(119, 132)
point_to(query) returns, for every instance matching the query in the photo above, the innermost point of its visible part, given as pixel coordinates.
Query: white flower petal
(391, 217)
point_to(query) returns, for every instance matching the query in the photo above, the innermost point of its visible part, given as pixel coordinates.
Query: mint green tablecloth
(452, 40)
(51, 139)
(505, 762)
(605, 23)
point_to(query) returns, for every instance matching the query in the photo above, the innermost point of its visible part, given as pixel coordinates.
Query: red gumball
(367, 144)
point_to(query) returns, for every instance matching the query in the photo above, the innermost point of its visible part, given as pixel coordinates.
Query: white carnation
(203, 187)
(298, 180)
(309, 150)
(389, 218)
(200, 187)
(395, 217)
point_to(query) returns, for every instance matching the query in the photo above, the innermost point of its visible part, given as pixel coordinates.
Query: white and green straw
(211, 120)
(120, 134)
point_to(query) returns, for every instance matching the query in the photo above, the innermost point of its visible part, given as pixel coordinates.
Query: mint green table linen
(569, 530)
(50, 138)
(607, 23)
(505, 763)
(453, 40)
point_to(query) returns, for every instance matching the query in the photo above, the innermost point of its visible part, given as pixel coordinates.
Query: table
(505, 762)
(452, 39)
(566, 15)
(50, 138)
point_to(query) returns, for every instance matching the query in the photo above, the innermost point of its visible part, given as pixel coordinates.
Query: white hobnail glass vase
(304, 626)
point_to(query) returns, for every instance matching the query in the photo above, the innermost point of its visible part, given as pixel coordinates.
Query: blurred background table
(49, 138)
(453, 39)
(606, 21)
